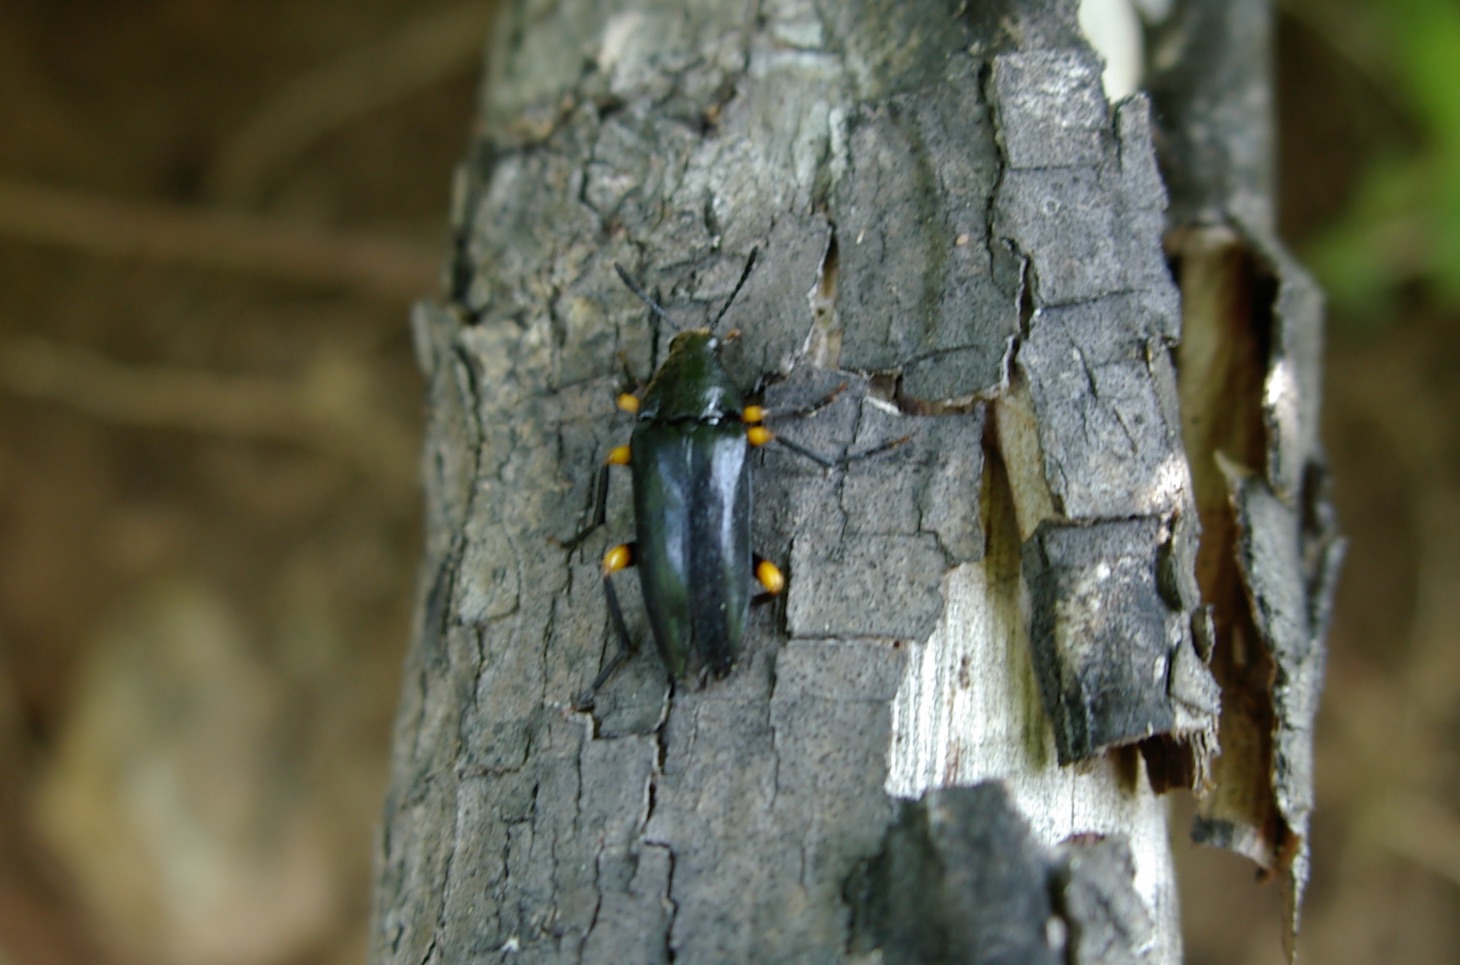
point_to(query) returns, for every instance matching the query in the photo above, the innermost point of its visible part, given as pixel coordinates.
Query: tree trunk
(957, 229)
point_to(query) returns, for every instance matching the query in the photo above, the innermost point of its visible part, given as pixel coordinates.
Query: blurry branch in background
(214, 239)
(416, 57)
(329, 408)
(317, 104)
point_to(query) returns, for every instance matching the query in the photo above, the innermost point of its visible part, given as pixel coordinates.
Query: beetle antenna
(643, 296)
(749, 264)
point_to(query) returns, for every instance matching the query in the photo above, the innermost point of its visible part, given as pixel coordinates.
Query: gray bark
(955, 224)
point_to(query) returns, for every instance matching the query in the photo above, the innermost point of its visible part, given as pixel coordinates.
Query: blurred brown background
(213, 218)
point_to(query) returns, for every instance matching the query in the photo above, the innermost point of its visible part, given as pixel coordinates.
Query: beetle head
(694, 340)
(691, 383)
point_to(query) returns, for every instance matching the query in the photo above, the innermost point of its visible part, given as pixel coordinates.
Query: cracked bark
(956, 225)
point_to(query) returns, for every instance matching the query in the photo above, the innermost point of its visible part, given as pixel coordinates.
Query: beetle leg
(619, 558)
(874, 451)
(758, 435)
(631, 379)
(618, 456)
(756, 413)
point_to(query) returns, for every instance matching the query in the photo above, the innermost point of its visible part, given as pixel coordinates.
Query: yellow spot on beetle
(770, 577)
(618, 456)
(618, 558)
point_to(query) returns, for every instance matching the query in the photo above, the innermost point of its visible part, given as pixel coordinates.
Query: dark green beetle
(689, 457)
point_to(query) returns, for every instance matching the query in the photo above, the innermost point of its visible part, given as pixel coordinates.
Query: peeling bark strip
(955, 226)
(1250, 362)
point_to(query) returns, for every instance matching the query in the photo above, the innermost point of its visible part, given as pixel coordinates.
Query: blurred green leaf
(1428, 32)
(1401, 226)
(1378, 244)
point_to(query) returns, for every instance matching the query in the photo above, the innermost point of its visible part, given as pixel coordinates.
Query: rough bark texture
(954, 224)
(963, 879)
(1251, 361)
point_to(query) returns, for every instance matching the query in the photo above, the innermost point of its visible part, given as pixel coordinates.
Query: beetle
(689, 461)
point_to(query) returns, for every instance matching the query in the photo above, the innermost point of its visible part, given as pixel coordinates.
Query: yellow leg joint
(618, 456)
(753, 414)
(628, 402)
(759, 435)
(770, 577)
(619, 558)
